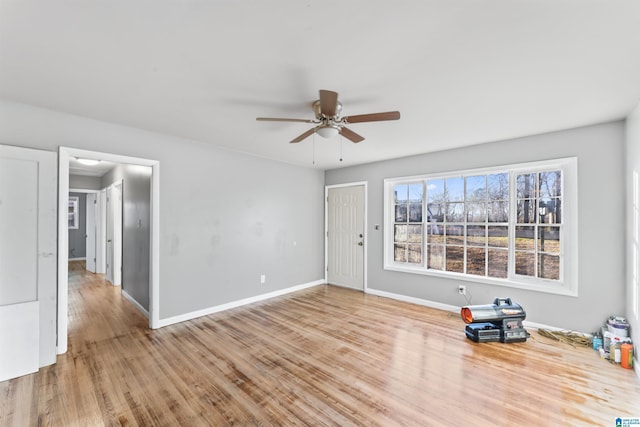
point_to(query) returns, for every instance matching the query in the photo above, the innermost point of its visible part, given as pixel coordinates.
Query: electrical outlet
(462, 289)
(263, 279)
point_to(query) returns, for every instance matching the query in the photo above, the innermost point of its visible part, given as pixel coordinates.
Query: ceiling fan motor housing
(317, 109)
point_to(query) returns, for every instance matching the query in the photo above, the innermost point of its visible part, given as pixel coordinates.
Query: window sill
(551, 288)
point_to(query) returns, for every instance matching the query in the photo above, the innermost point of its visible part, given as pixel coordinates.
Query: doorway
(65, 153)
(346, 240)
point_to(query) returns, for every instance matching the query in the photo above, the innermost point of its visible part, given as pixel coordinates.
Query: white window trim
(568, 285)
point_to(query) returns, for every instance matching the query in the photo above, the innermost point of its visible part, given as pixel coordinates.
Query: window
(506, 225)
(73, 213)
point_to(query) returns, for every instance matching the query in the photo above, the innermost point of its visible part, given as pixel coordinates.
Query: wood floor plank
(323, 356)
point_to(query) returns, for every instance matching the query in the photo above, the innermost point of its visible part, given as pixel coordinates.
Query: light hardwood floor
(323, 356)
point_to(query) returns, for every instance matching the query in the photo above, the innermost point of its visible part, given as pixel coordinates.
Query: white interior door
(109, 235)
(28, 223)
(117, 234)
(90, 263)
(101, 239)
(114, 234)
(345, 236)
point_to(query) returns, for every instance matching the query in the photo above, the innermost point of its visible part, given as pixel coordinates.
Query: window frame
(568, 280)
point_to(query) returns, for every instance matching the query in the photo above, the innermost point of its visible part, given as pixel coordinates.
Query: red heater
(500, 321)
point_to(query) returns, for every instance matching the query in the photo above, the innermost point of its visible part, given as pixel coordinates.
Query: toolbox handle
(502, 301)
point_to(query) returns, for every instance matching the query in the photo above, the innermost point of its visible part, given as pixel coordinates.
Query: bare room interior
(276, 213)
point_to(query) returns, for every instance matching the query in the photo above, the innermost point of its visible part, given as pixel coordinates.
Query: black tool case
(483, 332)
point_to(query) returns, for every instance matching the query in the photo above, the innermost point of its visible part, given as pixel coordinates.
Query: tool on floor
(500, 321)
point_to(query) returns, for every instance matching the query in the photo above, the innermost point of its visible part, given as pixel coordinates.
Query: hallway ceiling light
(88, 162)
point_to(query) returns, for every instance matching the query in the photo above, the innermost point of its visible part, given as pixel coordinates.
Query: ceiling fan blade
(374, 117)
(303, 136)
(328, 102)
(351, 135)
(275, 119)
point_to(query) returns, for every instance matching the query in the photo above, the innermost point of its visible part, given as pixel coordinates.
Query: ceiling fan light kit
(327, 111)
(328, 130)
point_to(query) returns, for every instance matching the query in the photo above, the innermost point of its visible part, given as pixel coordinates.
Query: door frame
(326, 228)
(64, 154)
(97, 194)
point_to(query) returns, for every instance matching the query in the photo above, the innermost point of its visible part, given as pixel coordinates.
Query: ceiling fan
(329, 122)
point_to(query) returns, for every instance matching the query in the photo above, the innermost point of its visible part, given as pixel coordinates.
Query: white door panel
(109, 240)
(345, 236)
(101, 240)
(19, 339)
(90, 263)
(19, 230)
(28, 221)
(114, 234)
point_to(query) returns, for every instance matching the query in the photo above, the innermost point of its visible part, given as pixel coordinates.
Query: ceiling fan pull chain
(341, 143)
(314, 148)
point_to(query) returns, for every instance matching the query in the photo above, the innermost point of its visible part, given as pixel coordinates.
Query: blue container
(597, 342)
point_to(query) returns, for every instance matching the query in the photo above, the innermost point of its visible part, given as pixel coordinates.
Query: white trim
(64, 154)
(76, 259)
(364, 225)
(535, 325)
(414, 300)
(63, 250)
(82, 190)
(234, 304)
(135, 303)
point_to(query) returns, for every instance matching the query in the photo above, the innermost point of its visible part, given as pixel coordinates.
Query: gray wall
(601, 202)
(77, 237)
(632, 155)
(84, 182)
(225, 217)
(136, 228)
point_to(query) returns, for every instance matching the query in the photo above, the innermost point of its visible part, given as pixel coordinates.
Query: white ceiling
(77, 168)
(460, 72)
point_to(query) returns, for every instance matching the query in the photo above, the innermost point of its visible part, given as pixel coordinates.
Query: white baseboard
(77, 259)
(234, 304)
(414, 300)
(451, 308)
(534, 325)
(135, 303)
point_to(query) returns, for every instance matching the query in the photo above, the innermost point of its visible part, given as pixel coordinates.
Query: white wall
(599, 150)
(632, 287)
(225, 217)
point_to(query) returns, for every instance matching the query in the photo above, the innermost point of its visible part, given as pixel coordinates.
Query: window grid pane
(538, 245)
(407, 229)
